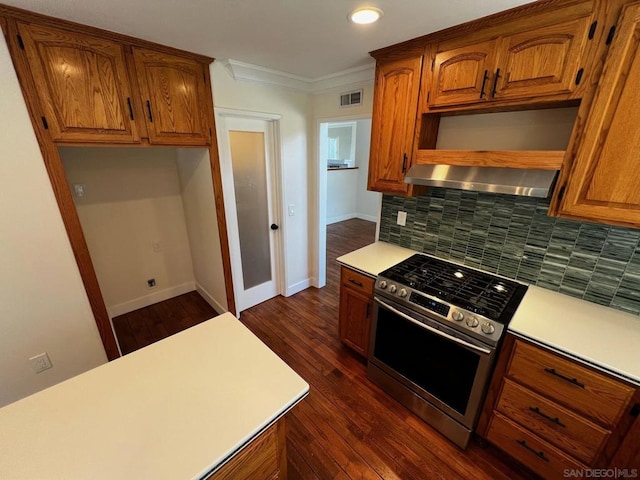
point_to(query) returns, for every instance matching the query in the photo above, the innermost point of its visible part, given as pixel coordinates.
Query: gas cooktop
(454, 292)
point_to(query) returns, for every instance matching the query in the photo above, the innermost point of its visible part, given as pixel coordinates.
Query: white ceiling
(309, 38)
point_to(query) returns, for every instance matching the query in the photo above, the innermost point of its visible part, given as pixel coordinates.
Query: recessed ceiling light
(365, 15)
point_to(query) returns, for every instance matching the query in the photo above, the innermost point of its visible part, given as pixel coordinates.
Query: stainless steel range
(436, 329)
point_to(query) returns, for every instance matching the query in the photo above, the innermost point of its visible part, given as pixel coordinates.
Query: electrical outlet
(402, 219)
(151, 283)
(40, 363)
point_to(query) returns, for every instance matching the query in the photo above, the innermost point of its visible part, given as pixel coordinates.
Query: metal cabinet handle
(555, 420)
(538, 454)
(495, 84)
(573, 381)
(149, 109)
(355, 282)
(130, 108)
(484, 82)
(404, 163)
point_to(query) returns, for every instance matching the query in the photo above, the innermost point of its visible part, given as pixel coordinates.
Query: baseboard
(341, 218)
(210, 300)
(297, 287)
(370, 218)
(154, 297)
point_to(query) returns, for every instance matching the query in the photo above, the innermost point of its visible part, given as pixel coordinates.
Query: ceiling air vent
(351, 99)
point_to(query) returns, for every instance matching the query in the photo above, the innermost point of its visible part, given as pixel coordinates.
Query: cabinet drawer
(357, 281)
(596, 396)
(541, 457)
(553, 423)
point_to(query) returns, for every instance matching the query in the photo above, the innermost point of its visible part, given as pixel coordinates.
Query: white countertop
(604, 337)
(375, 258)
(173, 410)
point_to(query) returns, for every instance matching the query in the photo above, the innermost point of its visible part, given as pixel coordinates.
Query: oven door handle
(433, 330)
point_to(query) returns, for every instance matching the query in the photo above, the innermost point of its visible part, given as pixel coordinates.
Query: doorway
(343, 165)
(249, 164)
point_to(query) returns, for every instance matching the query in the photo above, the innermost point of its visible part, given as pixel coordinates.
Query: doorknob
(274, 226)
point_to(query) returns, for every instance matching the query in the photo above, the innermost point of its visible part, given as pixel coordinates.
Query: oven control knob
(488, 328)
(457, 315)
(403, 292)
(393, 288)
(383, 284)
(472, 322)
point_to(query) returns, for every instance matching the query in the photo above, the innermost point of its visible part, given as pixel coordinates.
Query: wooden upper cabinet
(532, 63)
(603, 185)
(82, 85)
(395, 105)
(174, 96)
(543, 61)
(461, 75)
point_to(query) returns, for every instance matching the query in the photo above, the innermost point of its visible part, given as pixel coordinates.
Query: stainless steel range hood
(512, 181)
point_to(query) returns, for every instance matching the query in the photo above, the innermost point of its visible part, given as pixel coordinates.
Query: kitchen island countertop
(176, 409)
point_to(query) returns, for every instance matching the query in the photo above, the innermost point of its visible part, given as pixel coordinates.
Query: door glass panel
(250, 183)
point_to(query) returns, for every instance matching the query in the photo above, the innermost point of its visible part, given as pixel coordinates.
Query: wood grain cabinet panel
(82, 85)
(173, 93)
(603, 184)
(552, 422)
(543, 61)
(543, 458)
(596, 396)
(462, 75)
(522, 66)
(262, 459)
(395, 106)
(356, 306)
(552, 413)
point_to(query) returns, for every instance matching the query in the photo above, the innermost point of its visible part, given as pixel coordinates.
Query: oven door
(446, 368)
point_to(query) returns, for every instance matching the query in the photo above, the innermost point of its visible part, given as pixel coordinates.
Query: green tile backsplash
(514, 237)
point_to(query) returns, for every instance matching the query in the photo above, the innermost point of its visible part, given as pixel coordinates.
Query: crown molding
(336, 82)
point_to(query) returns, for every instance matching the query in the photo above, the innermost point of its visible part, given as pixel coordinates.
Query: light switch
(292, 209)
(402, 218)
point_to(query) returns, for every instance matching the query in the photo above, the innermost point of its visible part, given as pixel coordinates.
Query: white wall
(294, 129)
(132, 199)
(342, 195)
(326, 108)
(367, 203)
(194, 169)
(43, 305)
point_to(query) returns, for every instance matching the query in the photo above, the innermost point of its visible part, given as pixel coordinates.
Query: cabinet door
(395, 106)
(462, 75)
(543, 61)
(603, 185)
(173, 93)
(355, 320)
(82, 85)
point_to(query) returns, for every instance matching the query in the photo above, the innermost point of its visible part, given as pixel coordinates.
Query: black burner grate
(479, 292)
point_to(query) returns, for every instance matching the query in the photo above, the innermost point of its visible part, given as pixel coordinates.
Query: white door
(247, 157)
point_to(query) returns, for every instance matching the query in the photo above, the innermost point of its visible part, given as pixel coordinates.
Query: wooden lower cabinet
(356, 307)
(555, 415)
(265, 458)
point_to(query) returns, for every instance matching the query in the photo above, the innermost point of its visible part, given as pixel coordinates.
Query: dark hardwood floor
(347, 428)
(142, 327)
